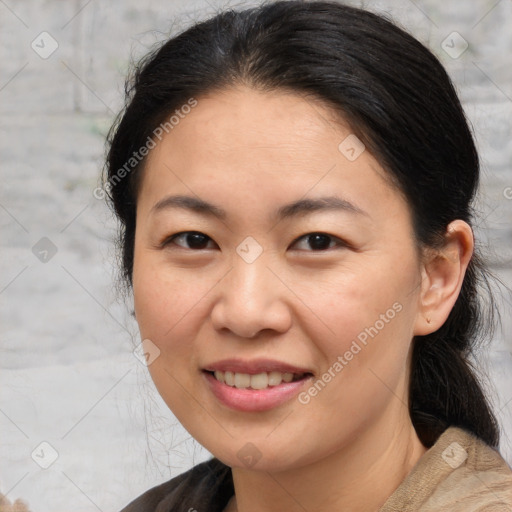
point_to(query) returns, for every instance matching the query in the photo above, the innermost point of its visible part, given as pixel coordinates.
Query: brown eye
(320, 241)
(193, 240)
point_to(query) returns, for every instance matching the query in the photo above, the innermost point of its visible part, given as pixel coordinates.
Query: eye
(320, 241)
(194, 239)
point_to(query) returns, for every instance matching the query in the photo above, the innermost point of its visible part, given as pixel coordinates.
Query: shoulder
(479, 474)
(207, 486)
(460, 473)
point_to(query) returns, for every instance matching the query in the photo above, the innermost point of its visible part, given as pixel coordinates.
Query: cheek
(167, 308)
(373, 316)
(365, 332)
(359, 303)
(171, 305)
(160, 303)
(160, 298)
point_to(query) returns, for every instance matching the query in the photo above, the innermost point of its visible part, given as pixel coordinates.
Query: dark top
(206, 487)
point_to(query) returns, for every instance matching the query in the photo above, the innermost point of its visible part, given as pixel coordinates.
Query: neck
(358, 477)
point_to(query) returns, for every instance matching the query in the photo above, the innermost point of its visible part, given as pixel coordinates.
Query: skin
(250, 152)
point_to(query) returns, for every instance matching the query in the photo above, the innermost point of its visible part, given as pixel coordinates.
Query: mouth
(255, 386)
(256, 381)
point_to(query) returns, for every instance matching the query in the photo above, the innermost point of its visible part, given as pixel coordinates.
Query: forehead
(265, 147)
(244, 119)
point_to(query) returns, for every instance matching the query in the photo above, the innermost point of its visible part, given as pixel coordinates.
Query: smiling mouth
(257, 381)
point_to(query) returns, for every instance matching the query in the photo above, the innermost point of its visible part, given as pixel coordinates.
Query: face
(228, 276)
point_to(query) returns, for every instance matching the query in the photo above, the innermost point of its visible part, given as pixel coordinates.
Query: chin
(263, 455)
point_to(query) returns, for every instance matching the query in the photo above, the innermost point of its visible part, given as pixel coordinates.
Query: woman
(294, 184)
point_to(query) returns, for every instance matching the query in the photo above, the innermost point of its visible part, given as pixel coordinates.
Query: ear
(442, 272)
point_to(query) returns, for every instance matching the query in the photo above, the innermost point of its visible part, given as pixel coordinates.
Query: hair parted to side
(400, 102)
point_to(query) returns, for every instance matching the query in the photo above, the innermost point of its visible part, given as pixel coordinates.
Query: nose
(251, 299)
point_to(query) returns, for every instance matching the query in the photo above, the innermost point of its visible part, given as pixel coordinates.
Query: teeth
(258, 381)
(274, 378)
(242, 380)
(229, 378)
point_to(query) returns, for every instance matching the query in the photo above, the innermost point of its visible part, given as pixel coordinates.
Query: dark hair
(398, 100)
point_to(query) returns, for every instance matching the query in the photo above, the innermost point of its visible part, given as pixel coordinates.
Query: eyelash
(341, 243)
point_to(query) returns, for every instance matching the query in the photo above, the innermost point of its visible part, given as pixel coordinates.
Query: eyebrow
(298, 208)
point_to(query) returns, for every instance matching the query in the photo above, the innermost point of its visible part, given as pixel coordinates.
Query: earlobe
(442, 276)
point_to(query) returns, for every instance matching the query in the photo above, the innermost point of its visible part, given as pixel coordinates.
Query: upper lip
(254, 366)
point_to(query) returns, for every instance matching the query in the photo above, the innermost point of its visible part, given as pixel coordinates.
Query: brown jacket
(459, 473)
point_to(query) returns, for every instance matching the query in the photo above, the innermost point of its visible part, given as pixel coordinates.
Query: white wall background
(68, 375)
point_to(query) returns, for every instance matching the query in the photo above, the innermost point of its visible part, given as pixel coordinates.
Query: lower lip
(254, 400)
